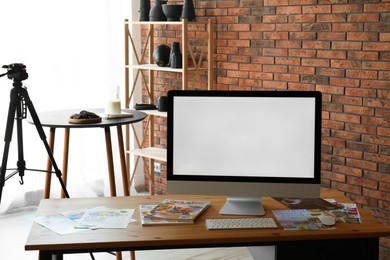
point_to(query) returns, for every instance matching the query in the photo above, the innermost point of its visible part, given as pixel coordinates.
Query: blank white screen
(244, 136)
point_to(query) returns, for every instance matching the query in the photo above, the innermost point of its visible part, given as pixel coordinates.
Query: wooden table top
(60, 118)
(137, 236)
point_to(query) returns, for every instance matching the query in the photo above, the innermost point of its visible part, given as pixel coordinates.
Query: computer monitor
(244, 144)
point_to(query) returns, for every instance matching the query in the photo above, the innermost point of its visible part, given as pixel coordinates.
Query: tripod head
(16, 71)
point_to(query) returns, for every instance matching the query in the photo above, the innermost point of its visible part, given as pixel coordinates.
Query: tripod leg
(42, 135)
(21, 164)
(8, 137)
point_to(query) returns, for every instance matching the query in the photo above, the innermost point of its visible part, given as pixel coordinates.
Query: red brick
(228, 65)
(384, 36)
(300, 86)
(359, 110)
(347, 27)
(376, 46)
(237, 74)
(302, 36)
(376, 102)
(288, 44)
(330, 89)
(331, 54)
(256, 67)
(376, 194)
(348, 170)
(316, 62)
(345, 82)
(317, 9)
(363, 55)
(348, 188)
(363, 36)
(286, 77)
(274, 85)
(304, 18)
(289, 10)
(348, 64)
(288, 27)
(263, 60)
(348, 100)
(332, 124)
(332, 36)
(379, 158)
(378, 176)
(262, 27)
(275, 68)
(260, 75)
(238, 43)
(239, 11)
(216, 12)
(240, 59)
(384, 131)
(333, 72)
(301, 70)
(227, 35)
(363, 17)
(357, 46)
(333, 176)
(362, 74)
(347, 153)
(362, 182)
(362, 164)
(287, 61)
(226, 19)
(275, 2)
(302, 53)
(226, 80)
(334, 18)
(376, 65)
(274, 19)
(345, 118)
(315, 45)
(275, 52)
(377, 7)
(382, 112)
(333, 142)
(360, 92)
(373, 139)
(227, 50)
(347, 8)
(250, 35)
(346, 135)
(238, 27)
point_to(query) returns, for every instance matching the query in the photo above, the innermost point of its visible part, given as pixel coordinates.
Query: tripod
(19, 103)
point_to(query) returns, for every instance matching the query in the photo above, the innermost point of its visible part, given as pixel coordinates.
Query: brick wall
(339, 47)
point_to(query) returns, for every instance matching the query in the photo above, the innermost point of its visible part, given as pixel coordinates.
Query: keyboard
(240, 223)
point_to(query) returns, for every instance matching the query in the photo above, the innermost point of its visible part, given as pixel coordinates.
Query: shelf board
(204, 21)
(157, 22)
(159, 154)
(155, 112)
(154, 67)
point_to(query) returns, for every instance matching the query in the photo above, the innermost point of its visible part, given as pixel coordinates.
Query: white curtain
(74, 53)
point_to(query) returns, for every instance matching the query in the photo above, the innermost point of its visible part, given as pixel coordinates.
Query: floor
(14, 230)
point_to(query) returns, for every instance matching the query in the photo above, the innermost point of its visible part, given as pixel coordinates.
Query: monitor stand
(250, 206)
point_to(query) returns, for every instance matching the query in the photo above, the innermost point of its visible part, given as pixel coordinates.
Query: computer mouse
(327, 220)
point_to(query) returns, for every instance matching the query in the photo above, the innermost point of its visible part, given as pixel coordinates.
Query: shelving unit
(154, 153)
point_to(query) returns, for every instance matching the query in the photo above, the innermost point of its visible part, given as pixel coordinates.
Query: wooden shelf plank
(155, 153)
(155, 112)
(154, 67)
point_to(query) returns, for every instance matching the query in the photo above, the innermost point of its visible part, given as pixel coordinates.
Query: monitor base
(247, 206)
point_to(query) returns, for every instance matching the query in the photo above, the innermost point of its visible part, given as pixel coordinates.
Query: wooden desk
(59, 119)
(348, 241)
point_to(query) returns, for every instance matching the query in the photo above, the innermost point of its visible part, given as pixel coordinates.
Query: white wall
(73, 51)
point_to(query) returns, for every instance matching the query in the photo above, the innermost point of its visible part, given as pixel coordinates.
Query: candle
(113, 107)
